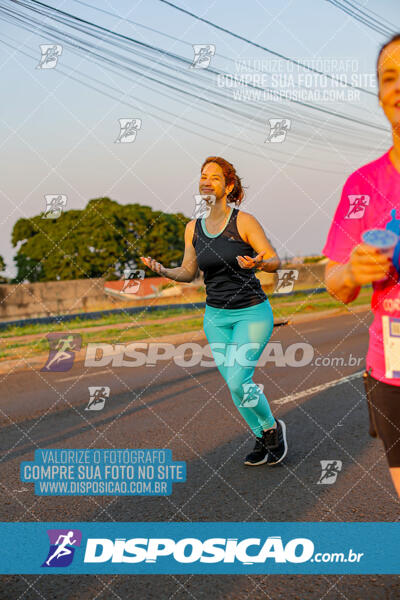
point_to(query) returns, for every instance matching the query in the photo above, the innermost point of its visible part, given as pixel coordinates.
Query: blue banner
(103, 472)
(200, 548)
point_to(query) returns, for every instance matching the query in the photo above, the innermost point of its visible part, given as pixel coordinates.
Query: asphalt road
(189, 410)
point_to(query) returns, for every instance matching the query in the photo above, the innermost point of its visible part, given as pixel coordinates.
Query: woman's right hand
(368, 264)
(153, 265)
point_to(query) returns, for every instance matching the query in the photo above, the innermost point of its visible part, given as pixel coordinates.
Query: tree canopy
(101, 240)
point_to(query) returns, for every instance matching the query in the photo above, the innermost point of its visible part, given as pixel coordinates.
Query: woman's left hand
(247, 262)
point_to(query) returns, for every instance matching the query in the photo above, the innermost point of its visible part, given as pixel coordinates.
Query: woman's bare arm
(253, 233)
(188, 269)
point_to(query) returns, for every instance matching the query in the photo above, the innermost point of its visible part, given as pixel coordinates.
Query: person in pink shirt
(371, 200)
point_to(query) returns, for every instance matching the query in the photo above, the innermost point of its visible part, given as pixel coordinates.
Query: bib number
(391, 345)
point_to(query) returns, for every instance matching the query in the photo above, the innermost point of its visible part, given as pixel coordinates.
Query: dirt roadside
(37, 361)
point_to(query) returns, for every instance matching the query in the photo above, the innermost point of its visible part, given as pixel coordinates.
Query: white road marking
(317, 388)
(280, 401)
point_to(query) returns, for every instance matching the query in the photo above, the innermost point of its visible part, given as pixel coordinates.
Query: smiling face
(212, 181)
(389, 83)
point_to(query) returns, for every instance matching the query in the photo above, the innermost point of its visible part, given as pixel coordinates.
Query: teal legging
(237, 338)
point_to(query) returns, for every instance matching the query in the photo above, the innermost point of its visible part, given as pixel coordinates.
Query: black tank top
(227, 284)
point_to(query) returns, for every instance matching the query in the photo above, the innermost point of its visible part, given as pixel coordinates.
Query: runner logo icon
(62, 547)
(202, 55)
(330, 470)
(98, 396)
(357, 205)
(62, 351)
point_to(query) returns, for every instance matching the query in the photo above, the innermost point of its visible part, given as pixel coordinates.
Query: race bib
(391, 345)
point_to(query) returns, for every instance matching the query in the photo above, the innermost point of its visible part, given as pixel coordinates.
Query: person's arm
(266, 259)
(366, 265)
(340, 282)
(188, 269)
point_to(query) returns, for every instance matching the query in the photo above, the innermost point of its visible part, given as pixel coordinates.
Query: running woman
(228, 245)
(353, 263)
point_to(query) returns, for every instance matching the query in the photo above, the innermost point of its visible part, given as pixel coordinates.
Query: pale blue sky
(58, 135)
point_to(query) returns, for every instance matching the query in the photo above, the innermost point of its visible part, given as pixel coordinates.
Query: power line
(175, 39)
(273, 52)
(282, 56)
(79, 22)
(92, 50)
(208, 138)
(376, 15)
(362, 17)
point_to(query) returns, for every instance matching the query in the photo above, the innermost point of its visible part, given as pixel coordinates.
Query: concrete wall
(84, 295)
(55, 297)
(310, 275)
(28, 300)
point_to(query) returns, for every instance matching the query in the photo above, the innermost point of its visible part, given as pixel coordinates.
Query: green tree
(101, 240)
(2, 268)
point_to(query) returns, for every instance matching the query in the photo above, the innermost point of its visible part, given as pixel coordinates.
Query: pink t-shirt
(370, 199)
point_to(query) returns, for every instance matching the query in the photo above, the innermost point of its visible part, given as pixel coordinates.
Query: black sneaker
(276, 443)
(259, 456)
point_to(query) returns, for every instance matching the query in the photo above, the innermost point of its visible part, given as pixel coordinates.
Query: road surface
(189, 410)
